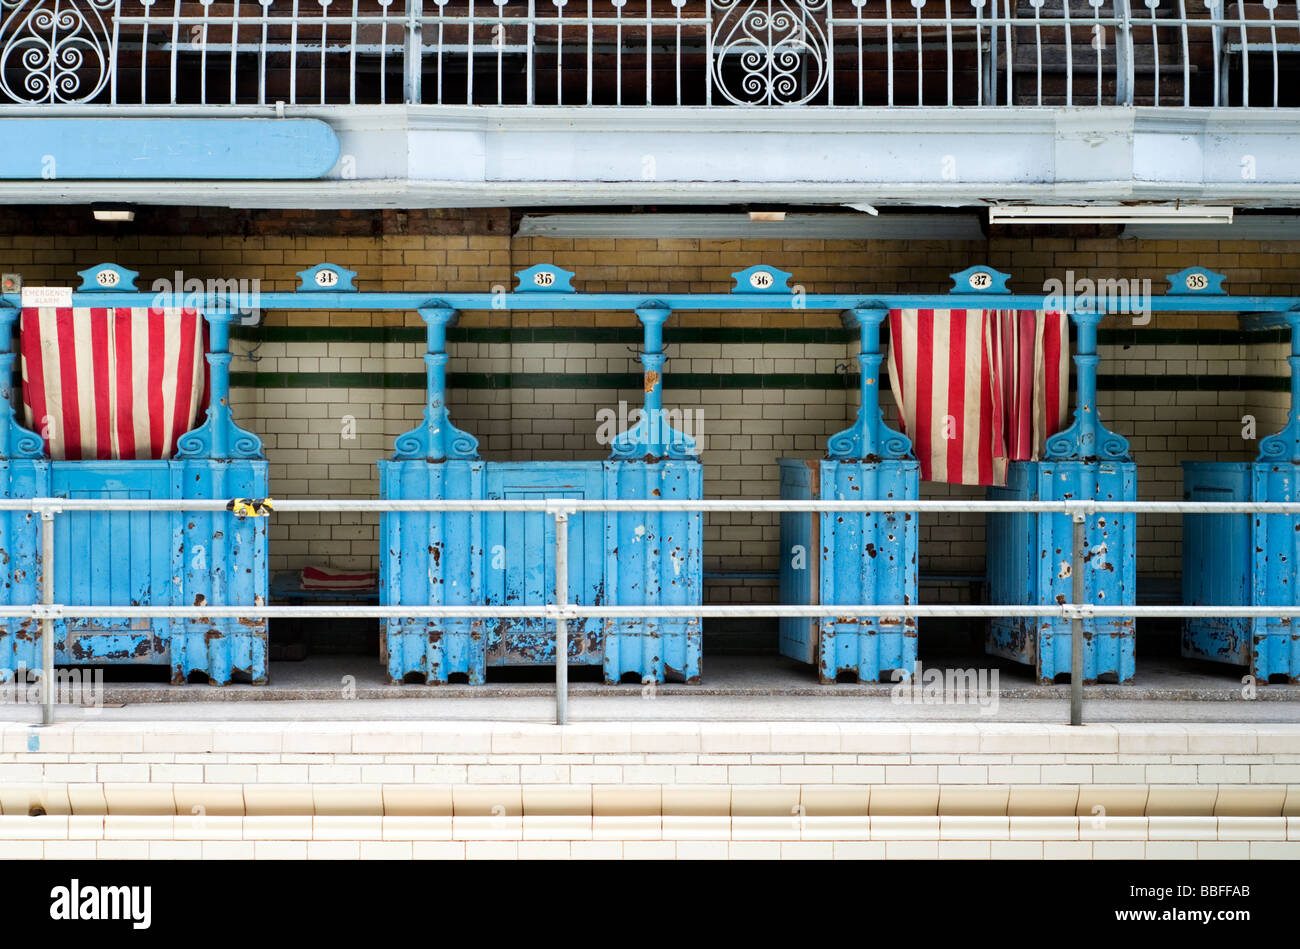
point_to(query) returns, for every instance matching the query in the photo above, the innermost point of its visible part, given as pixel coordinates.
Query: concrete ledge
(642, 737)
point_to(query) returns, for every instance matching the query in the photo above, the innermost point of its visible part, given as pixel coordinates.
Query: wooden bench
(975, 578)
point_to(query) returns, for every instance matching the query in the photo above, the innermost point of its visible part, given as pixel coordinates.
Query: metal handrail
(561, 611)
(579, 505)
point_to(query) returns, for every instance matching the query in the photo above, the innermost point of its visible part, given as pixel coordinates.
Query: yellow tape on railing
(251, 507)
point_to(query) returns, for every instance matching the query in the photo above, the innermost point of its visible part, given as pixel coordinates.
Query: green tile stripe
(1129, 336)
(537, 334)
(537, 380)
(1191, 383)
(630, 335)
(327, 380)
(628, 380)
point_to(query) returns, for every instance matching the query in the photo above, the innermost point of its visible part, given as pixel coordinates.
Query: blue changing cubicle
(1243, 559)
(635, 558)
(1029, 555)
(839, 557)
(473, 558)
(153, 558)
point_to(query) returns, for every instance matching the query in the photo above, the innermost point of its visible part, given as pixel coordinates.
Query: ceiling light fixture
(1139, 214)
(113, 212)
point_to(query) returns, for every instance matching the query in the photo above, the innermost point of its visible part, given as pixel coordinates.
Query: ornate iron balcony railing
(652, 52)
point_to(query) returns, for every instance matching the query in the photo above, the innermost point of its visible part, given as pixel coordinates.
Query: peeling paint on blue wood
(1029, 561)
(840, 557)
(164, 558)
(149, 558)
(1247, 560)
(507, 558)
(1242, 560)
(1276, 549)
(1029, 557)
(494, 559)
(63, 149)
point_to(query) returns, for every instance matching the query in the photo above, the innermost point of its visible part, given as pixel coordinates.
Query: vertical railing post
(1124, 72)
(561, 623)
(47, 620)
(413, 75)
(531, 41)
(1076, 619)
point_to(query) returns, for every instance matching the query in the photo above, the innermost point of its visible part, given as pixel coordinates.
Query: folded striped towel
(328, 578)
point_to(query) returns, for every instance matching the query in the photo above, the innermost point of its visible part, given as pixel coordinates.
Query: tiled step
(777, 801)
(139, 837)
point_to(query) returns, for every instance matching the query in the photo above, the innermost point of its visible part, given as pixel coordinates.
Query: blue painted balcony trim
(98, 149)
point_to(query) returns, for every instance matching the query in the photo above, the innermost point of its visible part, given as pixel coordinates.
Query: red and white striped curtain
(978, 388)
(104, 383)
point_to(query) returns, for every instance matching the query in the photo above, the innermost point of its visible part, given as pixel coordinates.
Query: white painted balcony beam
(456, 156)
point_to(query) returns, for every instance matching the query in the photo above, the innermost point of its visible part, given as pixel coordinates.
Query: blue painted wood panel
(112, 558)
(433, 558)
(1276, 549)
(20, 555)
(165, 558)
(800, 555)
(861, 558)
(654, 557)
(507, 559)
(520, 553)
(1029, 560)
(1218, 564)
(1012, 577)
(69, 149)
(1243, 560)
(221, 559)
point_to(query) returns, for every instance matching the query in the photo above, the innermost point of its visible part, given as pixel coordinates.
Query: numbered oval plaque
(1196, 281)
(980, 280)
(761, 279)
(108, 278)
(544, 278)
(327, 278)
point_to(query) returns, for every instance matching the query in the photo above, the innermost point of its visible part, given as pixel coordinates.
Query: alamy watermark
(209, 296)
(79, 901)
(921, 686)
(1130, 296)
(80, 687)
(661, 424)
